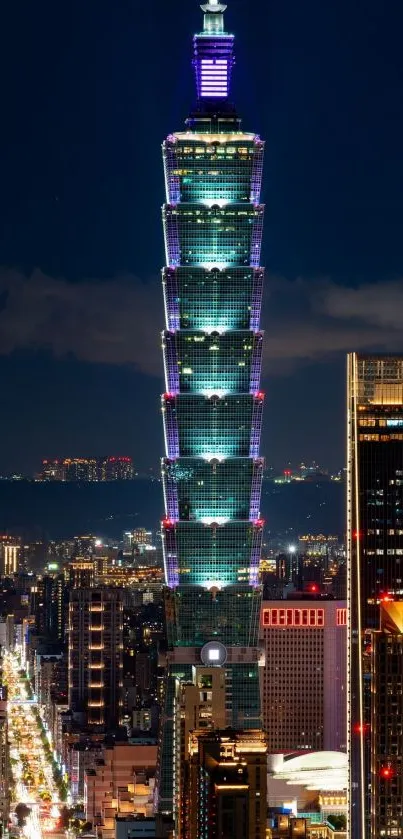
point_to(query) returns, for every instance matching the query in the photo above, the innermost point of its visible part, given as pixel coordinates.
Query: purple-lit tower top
(213, 54)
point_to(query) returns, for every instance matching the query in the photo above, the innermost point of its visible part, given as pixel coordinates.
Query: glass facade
(386, 723)
(375, 546)
(212, 408)
(197, 426)
(226, 298)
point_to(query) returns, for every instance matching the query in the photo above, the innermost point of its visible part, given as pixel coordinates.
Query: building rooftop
(313, 770)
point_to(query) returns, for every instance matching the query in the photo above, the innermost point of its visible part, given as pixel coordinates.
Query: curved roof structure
(313, 770)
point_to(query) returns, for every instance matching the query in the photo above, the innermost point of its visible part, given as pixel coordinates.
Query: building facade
(225, 790)
(10, 549)
(4, 760)
(199, 705)
(115, 772)
(212, 408)
(95, 656)
(304, 680)
(386, 722)
(88, 469)
(375, 546)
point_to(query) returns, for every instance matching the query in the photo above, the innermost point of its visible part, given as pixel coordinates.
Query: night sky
(89, 89)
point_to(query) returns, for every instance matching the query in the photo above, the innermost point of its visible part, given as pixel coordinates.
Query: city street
(32, 782)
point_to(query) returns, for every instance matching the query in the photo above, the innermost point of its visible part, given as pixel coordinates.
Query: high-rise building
(10, 548)
(115, 469)
(95, 642)
(375, 545)
(81, 468)
(212, 407)
(386, 730)
(225, 789)
(53, 470)
(81, 571)
(199, 705)
(49, 599)
(304, 681)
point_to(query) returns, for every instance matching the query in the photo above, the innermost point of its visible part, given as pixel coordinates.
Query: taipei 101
(201, 434)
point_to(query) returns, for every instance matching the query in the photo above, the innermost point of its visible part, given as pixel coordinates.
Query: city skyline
(74, 269)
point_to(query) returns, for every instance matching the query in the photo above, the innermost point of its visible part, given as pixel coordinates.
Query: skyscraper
(305, 674)
(224, 785)
(95, 645)
(386, 722)
(212, 407)
(375, 546)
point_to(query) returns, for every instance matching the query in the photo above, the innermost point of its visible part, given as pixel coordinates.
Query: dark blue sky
(88, 92)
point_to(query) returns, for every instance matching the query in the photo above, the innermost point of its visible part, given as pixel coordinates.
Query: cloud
(111, 322)
(380, 304)
(318, 320)
(118, 321)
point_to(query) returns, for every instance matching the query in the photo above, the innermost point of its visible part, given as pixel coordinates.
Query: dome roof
(313, 770)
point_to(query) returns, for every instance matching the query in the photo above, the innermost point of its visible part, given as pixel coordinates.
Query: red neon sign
(296, 618)
(341, 617)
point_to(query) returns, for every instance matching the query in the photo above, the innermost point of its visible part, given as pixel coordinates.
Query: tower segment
(212, 408)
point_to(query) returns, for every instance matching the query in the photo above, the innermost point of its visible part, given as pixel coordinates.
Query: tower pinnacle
(213, 6)
(213, 54)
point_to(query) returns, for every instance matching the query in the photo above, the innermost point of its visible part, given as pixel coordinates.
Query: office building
(81, 572)
(200, 704)
(304, 682)
(95, 656)
(225, 792)
(375, 544)
(49, 599)
(212, 407)
(10, 549)
(386, 728)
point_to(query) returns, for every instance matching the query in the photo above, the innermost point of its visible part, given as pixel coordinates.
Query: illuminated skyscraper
(95, 656)
(386, 722)
(375, 548)
(212, 407)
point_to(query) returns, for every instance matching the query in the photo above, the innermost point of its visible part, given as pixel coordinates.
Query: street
(32, 781)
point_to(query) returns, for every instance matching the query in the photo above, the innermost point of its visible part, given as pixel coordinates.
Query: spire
(213, 16)
(213, 54)
(213, 6)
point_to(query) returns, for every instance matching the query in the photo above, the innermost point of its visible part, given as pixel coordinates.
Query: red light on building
(386, 772)
(361, 728)
(313, 587)
(386, 598)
